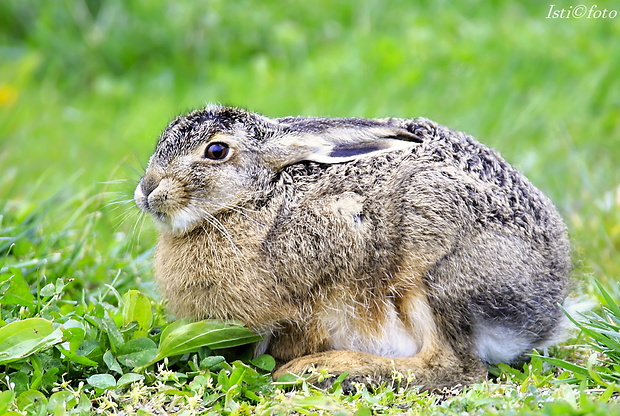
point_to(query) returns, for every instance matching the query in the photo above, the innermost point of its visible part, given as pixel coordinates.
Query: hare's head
(218, 158)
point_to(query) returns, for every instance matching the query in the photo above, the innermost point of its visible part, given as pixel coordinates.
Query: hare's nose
(148, 184)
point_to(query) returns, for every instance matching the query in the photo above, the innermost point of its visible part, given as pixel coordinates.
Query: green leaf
(181, 338)
(76, 348)
(129, 378)
(102, 381)
(111, 363)
(74, 334)
(577, 369)
(251, 395)
(212, 361)
(165, 333)
(325, 403)
(17, 292)
(288, 379)
(222, 380)
(236, 377)
(137, 352)
(114, 334)
(363, 411)
(32, 402)
(78, 359)
(230, 404)
(22, 382)
(609, 301)
(84, 406)
(48, 290)
(20, 339)
(212, 398)
(592, 371)
(137, 308)
(264, 362)
(64, 400)
(6, 399)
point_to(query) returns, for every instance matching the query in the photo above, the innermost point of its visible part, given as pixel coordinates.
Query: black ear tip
(408, 137)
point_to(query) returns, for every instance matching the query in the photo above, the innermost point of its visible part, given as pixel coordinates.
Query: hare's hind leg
(431, 369)
(402, 340)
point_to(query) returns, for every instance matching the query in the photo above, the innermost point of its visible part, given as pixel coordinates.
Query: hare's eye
(217, 151)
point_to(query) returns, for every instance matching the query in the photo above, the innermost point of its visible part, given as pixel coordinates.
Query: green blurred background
(86, 87)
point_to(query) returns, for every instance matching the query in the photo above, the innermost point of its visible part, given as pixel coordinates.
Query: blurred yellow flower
(8, 94)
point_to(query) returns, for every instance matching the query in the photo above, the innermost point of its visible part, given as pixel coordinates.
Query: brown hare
(362, 246)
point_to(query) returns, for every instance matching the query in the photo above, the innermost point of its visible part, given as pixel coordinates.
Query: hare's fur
(360, 246)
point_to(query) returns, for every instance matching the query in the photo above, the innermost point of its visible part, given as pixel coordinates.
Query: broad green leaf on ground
(181, 337)
(102, 381)
(107, 381)
(264, 362)
(111, 362)
(20, 339)
(6, 398)
(129, 378)
(137, 352)
(32, 401)
(15, 291)
(75, 347)
(78, 359)
(64, 400)
(137, 308)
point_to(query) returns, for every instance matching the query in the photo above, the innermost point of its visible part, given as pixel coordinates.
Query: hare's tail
(573, 308)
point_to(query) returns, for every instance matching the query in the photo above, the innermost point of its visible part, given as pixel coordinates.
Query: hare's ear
(339, 144)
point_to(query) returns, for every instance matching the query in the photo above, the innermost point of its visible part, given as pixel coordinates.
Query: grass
(86, 87)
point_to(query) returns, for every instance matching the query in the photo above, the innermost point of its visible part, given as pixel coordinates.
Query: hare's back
(452, 216)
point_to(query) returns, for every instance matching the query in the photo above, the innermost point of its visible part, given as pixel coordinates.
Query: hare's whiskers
(217, 224)
(236, 208)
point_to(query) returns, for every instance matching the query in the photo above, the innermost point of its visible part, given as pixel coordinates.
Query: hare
(367, 246)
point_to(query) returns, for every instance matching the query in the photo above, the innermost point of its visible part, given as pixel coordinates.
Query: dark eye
(217, 151)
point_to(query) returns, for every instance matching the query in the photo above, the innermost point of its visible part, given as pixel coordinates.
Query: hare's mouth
(161, 217)
(178, 222)
(167, 205)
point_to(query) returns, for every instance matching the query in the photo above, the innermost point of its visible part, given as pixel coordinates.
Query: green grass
(87, 86)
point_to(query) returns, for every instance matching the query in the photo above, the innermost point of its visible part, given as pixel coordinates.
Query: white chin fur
(181, 222)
